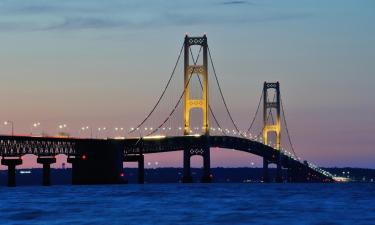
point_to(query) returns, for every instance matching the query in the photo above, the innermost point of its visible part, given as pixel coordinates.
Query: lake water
(190, 204)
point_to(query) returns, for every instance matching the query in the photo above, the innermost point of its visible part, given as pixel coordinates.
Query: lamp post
(34, 125)
(87, 128)
(61, 128)
(11, 124)
(101, 130)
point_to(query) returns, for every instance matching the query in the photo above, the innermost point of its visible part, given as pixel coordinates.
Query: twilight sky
(104, 63)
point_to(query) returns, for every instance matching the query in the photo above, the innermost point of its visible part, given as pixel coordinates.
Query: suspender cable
(256, 112)
(162, 94)
(222, 96)
(287, 130)
(179, 100)
(209, 106)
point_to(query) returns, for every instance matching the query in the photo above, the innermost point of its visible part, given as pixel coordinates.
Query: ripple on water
(190, 204)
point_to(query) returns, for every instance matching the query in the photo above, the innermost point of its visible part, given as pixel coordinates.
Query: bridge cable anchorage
(162, 94)
(222, 96)
(256, 112)
(287, 130)
(209, 106)
(179, 100)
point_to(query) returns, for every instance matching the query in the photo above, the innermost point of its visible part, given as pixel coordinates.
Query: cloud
(86, 23)
(235, 2)
(82, 14)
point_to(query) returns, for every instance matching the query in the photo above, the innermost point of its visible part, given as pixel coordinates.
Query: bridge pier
(187, 178)
(265, 178)
(141, 165)
(46, 161)
(279, 173)
(207, 177)
(11, 163)
(205, 153)
(97, 162)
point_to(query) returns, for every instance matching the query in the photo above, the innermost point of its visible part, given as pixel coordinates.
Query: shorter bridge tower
(189, 104)
(274, 127)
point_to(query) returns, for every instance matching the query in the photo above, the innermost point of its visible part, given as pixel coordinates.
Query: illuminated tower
(274, 104)
(201, 70)
(271, 126)
(202, 103)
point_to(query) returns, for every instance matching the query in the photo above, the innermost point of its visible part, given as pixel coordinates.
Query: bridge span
(96, 161)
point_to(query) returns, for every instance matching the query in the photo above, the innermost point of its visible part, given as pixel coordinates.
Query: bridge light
(154, 137)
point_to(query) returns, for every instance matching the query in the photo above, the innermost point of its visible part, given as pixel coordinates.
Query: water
(190, 204)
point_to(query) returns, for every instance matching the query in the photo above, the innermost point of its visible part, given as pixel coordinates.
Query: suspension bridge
(100, 161)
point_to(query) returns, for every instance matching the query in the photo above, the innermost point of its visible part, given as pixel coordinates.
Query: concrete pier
(141, 165)
(11, 163)
(46, 161)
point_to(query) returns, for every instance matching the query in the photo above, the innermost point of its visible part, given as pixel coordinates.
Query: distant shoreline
(33, 176)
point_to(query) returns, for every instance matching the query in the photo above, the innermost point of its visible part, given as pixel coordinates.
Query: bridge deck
(16, 146)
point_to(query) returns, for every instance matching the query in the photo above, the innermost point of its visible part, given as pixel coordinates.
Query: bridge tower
(274, 127)
(202, 103)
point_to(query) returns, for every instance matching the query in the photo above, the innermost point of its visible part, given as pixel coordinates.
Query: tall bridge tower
(271, 126)
(202, 71)
(202, 103)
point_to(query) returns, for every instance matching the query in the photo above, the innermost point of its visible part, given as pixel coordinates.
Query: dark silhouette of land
(174, 175)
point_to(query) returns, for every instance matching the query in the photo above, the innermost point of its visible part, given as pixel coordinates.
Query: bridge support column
(186, 178)
(265, 177)
(279, 173)
(46, 161)
(140, 159)
(75, 161)
(207, 177)
(11, 163)
(279, 170)
(141, 169)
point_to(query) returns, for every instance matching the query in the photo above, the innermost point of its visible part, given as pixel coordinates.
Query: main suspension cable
(179, 100)
(287, 130)
(162, 94)
(222, 96)
(256, 112)
(209, 106)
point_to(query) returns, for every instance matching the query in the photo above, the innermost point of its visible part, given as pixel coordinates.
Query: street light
(87, 128)
(34, 125)
(61, 127)
(101, 129)
(11, 124)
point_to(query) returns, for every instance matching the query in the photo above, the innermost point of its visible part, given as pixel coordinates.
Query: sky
(104, 64)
